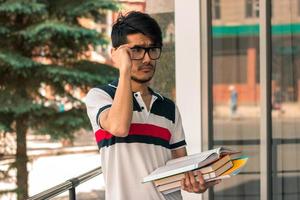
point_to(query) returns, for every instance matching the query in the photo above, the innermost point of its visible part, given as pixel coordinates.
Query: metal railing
(70, 185)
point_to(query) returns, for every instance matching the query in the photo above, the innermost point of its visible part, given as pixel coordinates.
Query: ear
(112, 50)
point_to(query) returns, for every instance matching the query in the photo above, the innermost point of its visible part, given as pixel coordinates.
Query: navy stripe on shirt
(134, 139)
(99, 112)
(177, 144)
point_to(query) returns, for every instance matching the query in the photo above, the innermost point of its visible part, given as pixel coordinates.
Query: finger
(119, 49)
(188, 184)
(192, 178)
(200, 178)
(183, 184)
(125, 46)
(130, 45)
(212, 183)
(187, 180)
(202, 184)
(194, 182)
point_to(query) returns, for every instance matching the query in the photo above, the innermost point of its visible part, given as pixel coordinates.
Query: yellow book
(238, 164)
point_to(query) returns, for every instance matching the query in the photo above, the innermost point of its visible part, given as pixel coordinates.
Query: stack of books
(219, 163)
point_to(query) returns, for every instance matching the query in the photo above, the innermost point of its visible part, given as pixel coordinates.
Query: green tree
(34, 30)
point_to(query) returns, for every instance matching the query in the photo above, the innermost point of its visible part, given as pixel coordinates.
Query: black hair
(135, 22)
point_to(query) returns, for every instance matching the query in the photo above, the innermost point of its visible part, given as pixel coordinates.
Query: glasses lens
(137, 53)
(154, 53)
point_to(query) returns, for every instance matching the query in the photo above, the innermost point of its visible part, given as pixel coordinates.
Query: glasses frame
(147, 49)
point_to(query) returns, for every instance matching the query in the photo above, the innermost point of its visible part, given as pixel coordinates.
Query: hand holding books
(195, 184)
(214, 164)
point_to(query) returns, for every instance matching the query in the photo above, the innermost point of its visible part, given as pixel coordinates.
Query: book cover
(238, 164)
(188, 163)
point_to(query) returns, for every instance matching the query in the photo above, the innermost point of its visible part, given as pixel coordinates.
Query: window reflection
(252, 8)
(285, 99)
(235, 58)
(216, 9)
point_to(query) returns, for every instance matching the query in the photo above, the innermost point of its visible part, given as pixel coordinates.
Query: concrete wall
(159, 6)
(188, 77)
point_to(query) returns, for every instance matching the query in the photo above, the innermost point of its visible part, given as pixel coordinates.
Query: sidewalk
(289, 110)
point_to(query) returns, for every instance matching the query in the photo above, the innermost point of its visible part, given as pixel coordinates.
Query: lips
(146, 68)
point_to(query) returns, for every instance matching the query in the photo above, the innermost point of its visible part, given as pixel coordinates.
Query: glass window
(298, 2)
(236, 119)
(252, 8)
(286, 99)
(216, 9)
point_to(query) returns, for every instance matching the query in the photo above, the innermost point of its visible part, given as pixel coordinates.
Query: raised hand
(121, 58)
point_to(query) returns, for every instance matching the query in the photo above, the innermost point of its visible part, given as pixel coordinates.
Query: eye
(137, 50)
(154, 49)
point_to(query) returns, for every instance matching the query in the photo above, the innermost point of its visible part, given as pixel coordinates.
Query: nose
(147, 58)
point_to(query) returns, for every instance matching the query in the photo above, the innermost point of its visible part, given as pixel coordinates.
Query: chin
(142, 80)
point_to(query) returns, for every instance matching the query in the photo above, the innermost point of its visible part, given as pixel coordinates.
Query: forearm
(118, 119)
(177, 153)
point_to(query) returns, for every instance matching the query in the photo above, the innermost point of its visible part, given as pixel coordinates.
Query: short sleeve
(178, 137)
(97, 101)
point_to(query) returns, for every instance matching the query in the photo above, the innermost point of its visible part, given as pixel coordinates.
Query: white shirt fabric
(152, 136)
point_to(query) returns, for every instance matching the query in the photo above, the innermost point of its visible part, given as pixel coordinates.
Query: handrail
(70, 185)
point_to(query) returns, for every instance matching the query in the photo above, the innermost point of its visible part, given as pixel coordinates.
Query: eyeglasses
(138, 52)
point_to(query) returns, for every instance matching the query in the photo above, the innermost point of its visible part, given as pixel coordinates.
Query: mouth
(146, 68)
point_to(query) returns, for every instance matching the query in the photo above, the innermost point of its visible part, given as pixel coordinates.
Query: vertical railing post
(72, 192)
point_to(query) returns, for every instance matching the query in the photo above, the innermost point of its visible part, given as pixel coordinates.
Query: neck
(140, 87)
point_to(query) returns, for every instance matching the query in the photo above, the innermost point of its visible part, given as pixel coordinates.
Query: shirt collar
(160, 97)
(114, 84)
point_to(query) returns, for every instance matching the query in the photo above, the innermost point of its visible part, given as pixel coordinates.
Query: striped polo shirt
(152, 136)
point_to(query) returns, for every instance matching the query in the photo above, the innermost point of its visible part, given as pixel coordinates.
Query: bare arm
(179, 153)
(117, 119)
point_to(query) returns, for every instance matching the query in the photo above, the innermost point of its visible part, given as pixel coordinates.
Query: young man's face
(143, 69)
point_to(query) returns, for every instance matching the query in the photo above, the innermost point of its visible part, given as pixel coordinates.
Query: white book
(188, 163)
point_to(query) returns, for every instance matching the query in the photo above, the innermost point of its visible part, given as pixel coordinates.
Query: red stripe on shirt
(138, 129)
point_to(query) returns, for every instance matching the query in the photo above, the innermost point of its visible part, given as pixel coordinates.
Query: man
(137, 129)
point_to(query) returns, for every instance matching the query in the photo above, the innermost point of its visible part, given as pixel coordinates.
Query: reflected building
(236, 61)
(236, 49)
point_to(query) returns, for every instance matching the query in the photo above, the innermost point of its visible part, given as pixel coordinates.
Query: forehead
(139, 39)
